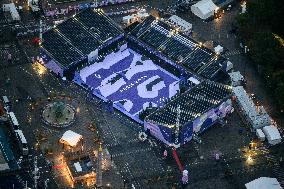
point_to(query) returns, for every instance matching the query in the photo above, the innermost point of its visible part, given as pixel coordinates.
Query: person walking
(9, 57)
(165, 154)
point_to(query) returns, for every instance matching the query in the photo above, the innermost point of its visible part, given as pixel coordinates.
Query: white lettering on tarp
(98, 76)
(132, 84)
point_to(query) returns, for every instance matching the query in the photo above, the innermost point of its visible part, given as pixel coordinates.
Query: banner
(82, 6)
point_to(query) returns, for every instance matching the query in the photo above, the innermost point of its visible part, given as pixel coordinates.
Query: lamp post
(45, 183)
(176, 143)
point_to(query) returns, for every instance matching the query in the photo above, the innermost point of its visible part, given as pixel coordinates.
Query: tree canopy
(262, 29)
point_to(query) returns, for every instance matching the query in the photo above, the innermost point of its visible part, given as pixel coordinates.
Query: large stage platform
(150, 66)
(131, 81)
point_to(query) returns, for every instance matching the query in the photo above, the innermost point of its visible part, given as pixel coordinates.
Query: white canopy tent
(194, 80)
(78, 167)
(229, 66)
(179, 22)
(127, 19)
(218, 49)
(263, 183)
(71, 138)
(236, 78)
(260, 134)
(272, 134)
(204, 9)
(255, 115)
(142, 15)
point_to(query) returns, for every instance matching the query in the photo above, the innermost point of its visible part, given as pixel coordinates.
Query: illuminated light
(78, 109)
(39, 68)
(279, 39)
(249, 159)
(253, 145)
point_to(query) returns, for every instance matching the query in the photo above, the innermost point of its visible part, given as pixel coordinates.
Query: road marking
(131, 152)
(233, 53)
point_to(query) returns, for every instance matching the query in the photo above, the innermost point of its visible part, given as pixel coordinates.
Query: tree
(265, 50)
(262, 29)
(278, 85)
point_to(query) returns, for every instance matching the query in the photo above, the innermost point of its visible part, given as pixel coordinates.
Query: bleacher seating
(99, 23)
(197, 59)
(61, 50)
(145, 71)
(176, 50)
(78, 36)
(153, 37)
(192, 103)
(212, 68)
(81, 39)
(142, 27)
(177, 47)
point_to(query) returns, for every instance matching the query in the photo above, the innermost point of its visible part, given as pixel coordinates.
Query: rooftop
(256, 115)
(3, 164)
(80, 166)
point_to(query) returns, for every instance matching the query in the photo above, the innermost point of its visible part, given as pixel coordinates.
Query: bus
(22, 141)
(13, 120)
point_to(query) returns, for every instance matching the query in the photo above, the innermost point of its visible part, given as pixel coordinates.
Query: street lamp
(249, 160)
(45, 183)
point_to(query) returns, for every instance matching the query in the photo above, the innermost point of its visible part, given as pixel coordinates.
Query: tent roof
(236, 76)
(78, 167)
(181, 22)
(263, 183)
(258, 118)
(128, 17)
(218, 49)
(272, 132)
(71, 138)
(205, 6)
(260, 133)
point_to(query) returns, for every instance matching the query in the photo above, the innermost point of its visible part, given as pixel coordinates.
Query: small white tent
(260, 134)
(263, 183)
(71, 138)
(218, 49)
(236, 78)
(272, 134)
(204, 9)
(179, 22)
(128, 19)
